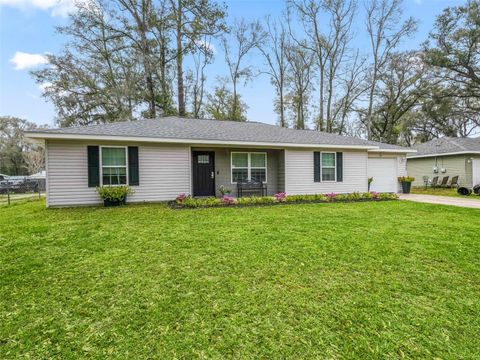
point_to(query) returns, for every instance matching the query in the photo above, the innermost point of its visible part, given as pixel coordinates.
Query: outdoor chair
(444, 181)
(454, 182)
(426, 180)
(434, 182)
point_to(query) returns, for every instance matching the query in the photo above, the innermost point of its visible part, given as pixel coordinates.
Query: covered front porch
(216, 167)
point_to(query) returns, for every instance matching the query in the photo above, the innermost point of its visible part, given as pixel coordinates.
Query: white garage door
(384, 173)
(476, 171)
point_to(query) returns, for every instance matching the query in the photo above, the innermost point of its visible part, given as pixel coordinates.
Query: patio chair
(454, 182)
(434, 182)
(426, 180)
(444, 181)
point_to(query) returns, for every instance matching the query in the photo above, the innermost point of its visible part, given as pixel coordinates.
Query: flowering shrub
(228, 200)
(181, 198)
(331, 197)
(280, 197)
(189, 202)
(374, 195)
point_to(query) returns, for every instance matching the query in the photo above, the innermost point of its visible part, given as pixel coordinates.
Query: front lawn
(347, 280)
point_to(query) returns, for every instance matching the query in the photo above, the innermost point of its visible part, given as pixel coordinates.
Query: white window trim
(249, 167)
(110, 166)
(328, 167)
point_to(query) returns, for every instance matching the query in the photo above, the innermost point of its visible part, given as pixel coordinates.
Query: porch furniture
(454, 182)
(434, 182)
(251, 188)
(426, 180)
(444, 181)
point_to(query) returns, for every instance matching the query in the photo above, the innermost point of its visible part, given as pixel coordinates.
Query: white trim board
(194, 142)
(444, 154)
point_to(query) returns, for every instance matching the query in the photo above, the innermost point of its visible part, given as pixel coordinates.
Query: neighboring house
(446, 157)
(164, 157)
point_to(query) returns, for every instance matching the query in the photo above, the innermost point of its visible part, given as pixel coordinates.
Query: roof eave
(62, 136)
(393, 151)
(444, 154)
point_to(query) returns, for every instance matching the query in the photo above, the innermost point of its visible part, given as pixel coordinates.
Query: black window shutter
(316, 166)
(133, 174)
(339, 167)
(93, 166)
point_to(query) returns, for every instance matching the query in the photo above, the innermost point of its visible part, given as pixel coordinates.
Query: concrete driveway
(443, 200)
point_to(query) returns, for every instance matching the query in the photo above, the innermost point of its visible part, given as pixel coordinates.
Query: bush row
(186, 201)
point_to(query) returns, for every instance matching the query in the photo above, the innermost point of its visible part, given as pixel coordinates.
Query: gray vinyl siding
(164, 173)
(281, 171)
(299, 173)
(454, 165)
(223, 168)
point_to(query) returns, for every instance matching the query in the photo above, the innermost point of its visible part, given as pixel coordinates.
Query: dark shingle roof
(196, 129)
(448, 145)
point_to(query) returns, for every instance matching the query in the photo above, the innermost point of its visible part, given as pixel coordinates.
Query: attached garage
(384, 173)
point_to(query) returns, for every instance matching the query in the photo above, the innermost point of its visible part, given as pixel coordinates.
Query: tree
(34, 160)
(220, 105)
(196, 78)
(301, 74)
(194, 19)
(274, 50)
(13, 146)
(244, 38)
(403, 85)
(385, 30)
(453, 51)
(336, 61)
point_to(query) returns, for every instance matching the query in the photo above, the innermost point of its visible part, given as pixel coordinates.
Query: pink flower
(280, 196)
(375, 195)
(332, 196)
(228, 200)
(181, 197)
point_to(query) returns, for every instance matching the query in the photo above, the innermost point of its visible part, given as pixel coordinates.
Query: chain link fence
(21, 189)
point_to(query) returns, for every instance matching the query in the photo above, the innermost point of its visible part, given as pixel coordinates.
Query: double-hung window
(114, 165)
(248, 166)
(329, 168)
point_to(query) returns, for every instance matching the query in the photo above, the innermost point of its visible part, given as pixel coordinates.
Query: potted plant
(370, 180)
(224, 190)
(406, 182)
(113, 195)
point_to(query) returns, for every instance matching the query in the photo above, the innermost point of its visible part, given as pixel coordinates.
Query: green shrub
(407, 179)
(114, 193)
(190, 202)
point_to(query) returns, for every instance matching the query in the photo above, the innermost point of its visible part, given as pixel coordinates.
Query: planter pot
(406, 187)
(110, 203)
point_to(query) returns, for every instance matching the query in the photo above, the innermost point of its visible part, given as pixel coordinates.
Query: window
(249, 166)
(203, 159)
(114, 165)
(328, 166)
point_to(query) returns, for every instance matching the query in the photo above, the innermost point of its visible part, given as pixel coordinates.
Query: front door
(203, 173)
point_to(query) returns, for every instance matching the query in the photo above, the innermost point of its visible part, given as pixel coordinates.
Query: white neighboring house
(161, 158)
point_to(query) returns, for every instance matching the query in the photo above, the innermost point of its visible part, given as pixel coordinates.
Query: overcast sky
(27, 32)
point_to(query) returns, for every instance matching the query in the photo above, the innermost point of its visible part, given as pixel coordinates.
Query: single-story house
(161, 158)
(446, 157)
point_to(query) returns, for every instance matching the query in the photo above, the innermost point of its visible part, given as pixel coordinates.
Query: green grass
(441, 192)
(360, 280)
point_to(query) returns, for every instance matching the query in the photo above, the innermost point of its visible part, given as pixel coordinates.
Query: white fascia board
(192, 142)
(444, 154)
(394, 151)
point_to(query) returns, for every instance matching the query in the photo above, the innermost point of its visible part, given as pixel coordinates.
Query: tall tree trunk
(180, 90)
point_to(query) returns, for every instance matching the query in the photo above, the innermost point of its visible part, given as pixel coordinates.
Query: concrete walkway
(443, 200)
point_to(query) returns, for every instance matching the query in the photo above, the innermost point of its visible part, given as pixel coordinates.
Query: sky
(27, 33)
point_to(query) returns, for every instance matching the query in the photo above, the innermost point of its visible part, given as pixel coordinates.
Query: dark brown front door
(203, 173)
